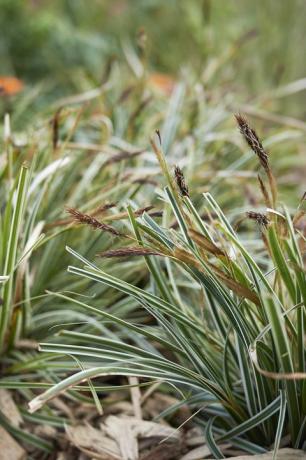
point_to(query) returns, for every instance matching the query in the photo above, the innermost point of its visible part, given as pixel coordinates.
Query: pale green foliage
(230, 317)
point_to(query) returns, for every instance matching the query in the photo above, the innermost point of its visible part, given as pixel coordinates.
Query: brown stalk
(205, 243)
(237, 288)
(102, 209)
(264, 192)
(137, 213)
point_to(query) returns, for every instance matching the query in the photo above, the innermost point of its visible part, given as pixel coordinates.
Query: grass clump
(42, 170)
(228, 314)
(89, 169)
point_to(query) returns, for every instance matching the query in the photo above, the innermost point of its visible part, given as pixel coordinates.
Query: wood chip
(93, 443)
(121, 430)
(142, 428)
(136, 397)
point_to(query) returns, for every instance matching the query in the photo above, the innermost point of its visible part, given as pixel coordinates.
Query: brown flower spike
(86, 219)
(180, 181)
(129, 252)
(253, 141)
(261, 219)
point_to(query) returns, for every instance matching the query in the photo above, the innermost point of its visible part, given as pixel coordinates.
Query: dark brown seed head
(180, 180)
(86, 219)
(129, 252)
(260, 218)
(253, 141)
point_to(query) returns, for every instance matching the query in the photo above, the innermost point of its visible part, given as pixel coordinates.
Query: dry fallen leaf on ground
(93, 443)
(122, 438)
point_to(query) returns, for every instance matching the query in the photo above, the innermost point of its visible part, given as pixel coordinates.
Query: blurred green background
(252, 46)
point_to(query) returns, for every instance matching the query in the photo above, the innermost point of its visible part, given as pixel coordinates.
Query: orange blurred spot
(162, 82)
(10, 86)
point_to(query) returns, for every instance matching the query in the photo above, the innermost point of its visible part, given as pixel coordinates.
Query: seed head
(260, 218)
(129, 252)
(253, 141)
(158, 135)
(180, 180)
(86, 219)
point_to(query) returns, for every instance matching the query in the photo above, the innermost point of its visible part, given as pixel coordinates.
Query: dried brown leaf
(205, 243)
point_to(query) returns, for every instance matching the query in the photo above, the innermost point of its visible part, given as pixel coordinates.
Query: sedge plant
(64, 181)
(228, 315)
(49, 169)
